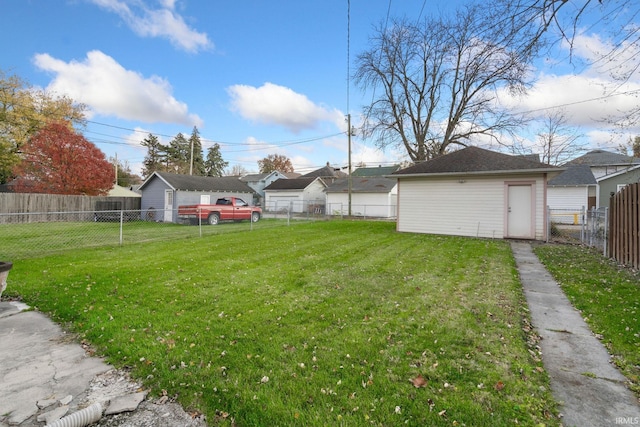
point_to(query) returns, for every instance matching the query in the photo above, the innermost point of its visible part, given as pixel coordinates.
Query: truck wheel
(213, 219)
(255, 216)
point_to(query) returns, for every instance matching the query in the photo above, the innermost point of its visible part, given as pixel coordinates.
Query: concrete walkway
(589, 387)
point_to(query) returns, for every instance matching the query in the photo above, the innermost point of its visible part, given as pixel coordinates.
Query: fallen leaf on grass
(419, 381)
(499, 385)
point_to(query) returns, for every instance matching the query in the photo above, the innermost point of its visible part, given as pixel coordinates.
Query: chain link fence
(28, 235)
(299, 209)
(585, 226)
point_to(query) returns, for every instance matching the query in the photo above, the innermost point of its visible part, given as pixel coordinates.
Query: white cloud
(109, 89)
(279, 105)
(593, 97)
(163, 22)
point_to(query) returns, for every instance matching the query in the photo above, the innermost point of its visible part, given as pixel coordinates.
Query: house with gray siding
(163, 192)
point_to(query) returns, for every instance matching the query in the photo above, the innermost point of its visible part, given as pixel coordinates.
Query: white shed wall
(474, 208)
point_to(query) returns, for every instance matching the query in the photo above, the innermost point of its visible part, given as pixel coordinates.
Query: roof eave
(476, 173)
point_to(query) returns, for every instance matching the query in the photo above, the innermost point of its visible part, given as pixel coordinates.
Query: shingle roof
(376, 171)
(362, 185)
(574, 175)
(603, 158)
(325, 172)
(290, 184)
(203, 183)
(254, 177)
(475, 160)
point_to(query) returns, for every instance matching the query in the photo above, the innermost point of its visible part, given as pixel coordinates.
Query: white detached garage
(477, 193)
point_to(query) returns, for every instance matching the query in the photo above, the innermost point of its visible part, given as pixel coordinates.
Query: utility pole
(349, 140)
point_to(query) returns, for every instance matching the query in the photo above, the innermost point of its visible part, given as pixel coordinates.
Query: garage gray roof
(291, 184)
(476, 160)
(362, 185)
(574, 175)
(202, 183)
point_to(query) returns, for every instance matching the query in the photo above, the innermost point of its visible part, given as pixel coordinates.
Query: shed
(304, 194)
(370, 197)
(477, 193)
(163, 192)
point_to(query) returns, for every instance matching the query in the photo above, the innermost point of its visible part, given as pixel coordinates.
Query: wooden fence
(28, 203)
(624, 226)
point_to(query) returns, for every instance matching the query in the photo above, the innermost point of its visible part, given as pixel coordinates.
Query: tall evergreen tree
(197, 166)
(155, 158)
(214, 164)
(178, 155)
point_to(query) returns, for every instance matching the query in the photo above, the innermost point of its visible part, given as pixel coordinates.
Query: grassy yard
(327, 323)
(608, 297)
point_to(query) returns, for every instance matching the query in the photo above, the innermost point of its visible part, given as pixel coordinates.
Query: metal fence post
(121, 222)
(548, 225)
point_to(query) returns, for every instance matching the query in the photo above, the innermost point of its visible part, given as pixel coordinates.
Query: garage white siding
(465, 205)
(567, 197)
(379, 205)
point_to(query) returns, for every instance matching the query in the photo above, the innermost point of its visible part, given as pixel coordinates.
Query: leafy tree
(275, 162)
(214, 164)
(58, 160)
(197, 166)
(23, 112)
(155, 158)
(434, 82)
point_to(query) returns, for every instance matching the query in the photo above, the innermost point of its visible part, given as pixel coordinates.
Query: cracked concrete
(591, 391)
(45, 374)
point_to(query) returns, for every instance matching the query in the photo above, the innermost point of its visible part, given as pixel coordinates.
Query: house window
(620, 187)
(205, 199)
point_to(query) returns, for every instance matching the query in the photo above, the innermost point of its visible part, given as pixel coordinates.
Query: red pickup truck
(225, 209)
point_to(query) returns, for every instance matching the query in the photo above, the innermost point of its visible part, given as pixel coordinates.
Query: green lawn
(326, 323)
(608, 297)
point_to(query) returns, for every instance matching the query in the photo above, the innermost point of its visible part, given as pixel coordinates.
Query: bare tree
(557, 142)
(550, 21)
(435, 81)
(237, 170)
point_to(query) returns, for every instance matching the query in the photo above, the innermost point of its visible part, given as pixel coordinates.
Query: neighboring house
(259, 181)
(477, 193)
(611, 171)
(380, 171)
(328, 173)
(295, 195)
(163, 192)
(370, 197)
(570, 192)
(610, 184)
